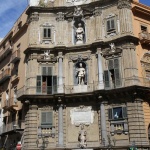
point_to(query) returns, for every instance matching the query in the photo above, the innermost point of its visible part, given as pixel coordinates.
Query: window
(47, 119)
(143, 28)
(112, 75)
(47, 82)
(111, 27)
(7, 95)
(47, 33)
(117, 113)
(15, 94)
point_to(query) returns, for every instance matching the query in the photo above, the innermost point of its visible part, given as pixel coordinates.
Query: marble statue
(81, 74)
(79, 34)
(112, 47)
(82, 138)
(47, 54)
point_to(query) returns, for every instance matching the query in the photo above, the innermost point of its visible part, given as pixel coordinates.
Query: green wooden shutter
(38, 84)
(124, 112)
(43, 118)
(110, 114)
(117, 73)
(112, 23)
(54, 84)
(44, 71)
(47, 119)
(106, 79)
(108, 25)
(110, 64)
(49, 71)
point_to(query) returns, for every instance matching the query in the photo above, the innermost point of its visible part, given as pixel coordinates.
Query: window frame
(48, 35)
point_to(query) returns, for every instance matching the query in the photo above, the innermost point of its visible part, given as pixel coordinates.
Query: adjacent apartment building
(75, 74)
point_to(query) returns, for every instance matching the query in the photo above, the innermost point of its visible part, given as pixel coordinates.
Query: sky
(10, 10)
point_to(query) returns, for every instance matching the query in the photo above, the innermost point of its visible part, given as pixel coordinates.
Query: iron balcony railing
(8, 48)
(144, 37)
(69, 89)
(15, 56)
(14, 125)
(5, 75)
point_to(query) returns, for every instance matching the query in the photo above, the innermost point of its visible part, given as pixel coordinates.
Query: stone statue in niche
(82, 137)
(79, 34)
(47, 54)
(80, 74)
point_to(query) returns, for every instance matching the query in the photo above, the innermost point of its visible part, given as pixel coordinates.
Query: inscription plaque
(82, 115)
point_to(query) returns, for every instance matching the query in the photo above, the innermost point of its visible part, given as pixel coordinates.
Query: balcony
(5, 51)
(5, 75)
(144, 37)
(12, 126)
(15, 56)
(73, 89)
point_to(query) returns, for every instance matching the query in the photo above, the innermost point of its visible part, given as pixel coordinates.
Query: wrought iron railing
(69, 89)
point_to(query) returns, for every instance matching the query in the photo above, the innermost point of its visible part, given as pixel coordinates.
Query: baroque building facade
(76, 75)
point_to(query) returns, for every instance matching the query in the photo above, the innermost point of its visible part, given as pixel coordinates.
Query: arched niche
(79, 31)
(80, 73)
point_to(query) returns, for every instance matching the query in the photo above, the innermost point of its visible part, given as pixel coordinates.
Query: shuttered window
(117, 113)
(47, 119)
(110, 24)
(112, 75)
(47, 82)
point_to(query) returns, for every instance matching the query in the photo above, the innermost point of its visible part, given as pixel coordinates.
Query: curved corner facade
(76, 75)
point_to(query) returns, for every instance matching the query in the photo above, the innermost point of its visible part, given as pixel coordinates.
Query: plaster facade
(77, 76)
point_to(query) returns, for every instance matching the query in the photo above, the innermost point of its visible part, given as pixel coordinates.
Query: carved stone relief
(60, 16)
(97, 11)
(145, 61)
(33, 17)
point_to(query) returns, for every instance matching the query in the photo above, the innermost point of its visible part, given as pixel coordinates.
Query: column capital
(124, 4)
(60, 55)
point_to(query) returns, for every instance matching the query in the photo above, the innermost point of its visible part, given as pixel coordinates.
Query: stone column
(98, 22)
(60, 124)
(30, 132)
(60, 31)
(125, 16)
(100, 69)
(137, 131)
(130, 66)
(60, 72)
(103, 123)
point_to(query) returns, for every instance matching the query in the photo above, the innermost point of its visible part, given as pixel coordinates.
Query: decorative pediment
(78, 13)
(79, 57)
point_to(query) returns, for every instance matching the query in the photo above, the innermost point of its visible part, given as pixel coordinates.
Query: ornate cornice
(124, 4)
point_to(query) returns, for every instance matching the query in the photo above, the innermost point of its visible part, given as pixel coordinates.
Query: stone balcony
(144, 37)
(5, 51)
(12, 126)
(6, 74)
(15, 56)
(74, 89)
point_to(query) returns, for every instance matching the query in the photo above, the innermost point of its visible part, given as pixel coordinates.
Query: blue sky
(10, 10)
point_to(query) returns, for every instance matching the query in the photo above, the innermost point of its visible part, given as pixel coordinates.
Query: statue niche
(80, 73)
(79, 32)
